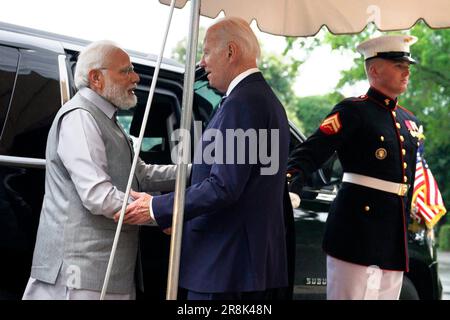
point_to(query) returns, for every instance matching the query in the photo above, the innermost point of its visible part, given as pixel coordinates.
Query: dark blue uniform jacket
(373, 136)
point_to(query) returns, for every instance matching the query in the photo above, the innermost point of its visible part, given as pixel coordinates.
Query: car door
(30, 95)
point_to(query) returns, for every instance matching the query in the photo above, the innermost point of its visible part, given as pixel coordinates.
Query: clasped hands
(138, 211)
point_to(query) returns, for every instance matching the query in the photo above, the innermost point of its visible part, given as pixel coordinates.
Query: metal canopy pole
(183, 152)
(137, 148)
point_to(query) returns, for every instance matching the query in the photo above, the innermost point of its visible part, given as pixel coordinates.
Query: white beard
(118, 96)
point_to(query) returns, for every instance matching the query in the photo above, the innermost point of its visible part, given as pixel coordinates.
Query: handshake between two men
(138, 211)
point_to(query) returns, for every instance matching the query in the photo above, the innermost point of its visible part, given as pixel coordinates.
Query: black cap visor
(395, 55)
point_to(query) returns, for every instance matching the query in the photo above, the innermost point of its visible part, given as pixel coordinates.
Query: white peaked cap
(392, 47)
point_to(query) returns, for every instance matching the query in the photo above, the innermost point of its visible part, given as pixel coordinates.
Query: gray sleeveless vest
(71, 242)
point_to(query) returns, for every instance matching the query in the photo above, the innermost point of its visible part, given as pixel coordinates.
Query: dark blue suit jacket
(234, 236)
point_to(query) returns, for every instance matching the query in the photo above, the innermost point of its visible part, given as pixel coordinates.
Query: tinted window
(206, 101)
(34, 104)
(162, 120)
(8, 67)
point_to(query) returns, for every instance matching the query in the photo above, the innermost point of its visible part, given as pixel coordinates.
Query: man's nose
(406, 72)
(202, 62)
(135, 77)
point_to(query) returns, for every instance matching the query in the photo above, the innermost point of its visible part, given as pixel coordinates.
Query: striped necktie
(214, 112)
(222, 101)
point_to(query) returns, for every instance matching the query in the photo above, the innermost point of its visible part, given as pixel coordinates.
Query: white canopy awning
(305, 17)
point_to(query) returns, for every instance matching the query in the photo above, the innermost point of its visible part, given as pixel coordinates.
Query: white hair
(92, 57)
(239, 31)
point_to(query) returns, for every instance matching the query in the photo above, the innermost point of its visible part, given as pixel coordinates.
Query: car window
(162, 121)
(35, 101)
(125, 117)
(8, 68)
(206, 101)
(333, 170)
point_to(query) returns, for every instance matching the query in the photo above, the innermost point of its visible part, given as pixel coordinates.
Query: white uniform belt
(397, 188)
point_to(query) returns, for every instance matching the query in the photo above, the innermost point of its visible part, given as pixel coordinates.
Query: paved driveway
(444, 273)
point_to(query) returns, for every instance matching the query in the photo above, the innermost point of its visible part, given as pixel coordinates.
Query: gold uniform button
(381, 153)
(366, 208)
(398, 125)
(394, 114)
(405, 165)
(402, 138)
(404, 152)
(405, 179)
(289, 175)
(381, 138)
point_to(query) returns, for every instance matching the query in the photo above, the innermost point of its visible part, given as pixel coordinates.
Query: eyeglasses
(125, 71)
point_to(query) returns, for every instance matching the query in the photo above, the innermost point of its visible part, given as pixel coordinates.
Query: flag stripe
(427, 199)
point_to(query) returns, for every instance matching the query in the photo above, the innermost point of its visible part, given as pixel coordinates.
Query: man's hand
(295, 200)
(137, 212)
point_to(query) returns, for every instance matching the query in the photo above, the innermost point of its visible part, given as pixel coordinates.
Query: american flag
(427, 201)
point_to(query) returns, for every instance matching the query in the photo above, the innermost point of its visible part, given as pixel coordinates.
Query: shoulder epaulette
(356, 99)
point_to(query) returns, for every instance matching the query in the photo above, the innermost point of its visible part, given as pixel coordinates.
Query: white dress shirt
(239, 78)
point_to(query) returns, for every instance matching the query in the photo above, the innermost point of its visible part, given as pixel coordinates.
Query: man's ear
(96, 79)
(233, 50)
(372, 70)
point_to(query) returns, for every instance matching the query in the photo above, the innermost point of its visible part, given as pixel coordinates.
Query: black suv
(36, 78)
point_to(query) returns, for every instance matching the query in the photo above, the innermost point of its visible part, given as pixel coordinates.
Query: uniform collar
(104, 105)
(382, 99)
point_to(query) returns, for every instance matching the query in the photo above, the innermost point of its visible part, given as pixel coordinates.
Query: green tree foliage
(179, 51)
(281, 75)
(312, 110)
(308, 112)
(444, 238)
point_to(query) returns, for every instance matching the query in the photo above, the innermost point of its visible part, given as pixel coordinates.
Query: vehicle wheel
(409, 291)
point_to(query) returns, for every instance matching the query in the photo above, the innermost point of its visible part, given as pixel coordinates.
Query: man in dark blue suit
(234, 239)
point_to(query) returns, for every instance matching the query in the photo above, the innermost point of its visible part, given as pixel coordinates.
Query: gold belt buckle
(402, 189)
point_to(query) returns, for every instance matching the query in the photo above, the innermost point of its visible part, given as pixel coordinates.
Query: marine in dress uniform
(376, 142)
